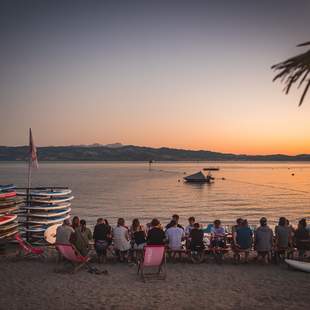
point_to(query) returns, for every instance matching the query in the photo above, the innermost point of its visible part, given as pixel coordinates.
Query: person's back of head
(191, 220)
(217, 223)
(302, 224)
(173, 223)
(66, 222)
(99, 220)
(282, 221)
(75, 222)
(239, 221)
(245, 223)
(263, 222)
(120, 222)
(175, 217)
(196, 226)
(135, 224)
(155, 223)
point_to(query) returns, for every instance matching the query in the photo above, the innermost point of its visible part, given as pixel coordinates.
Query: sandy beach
(33, 284)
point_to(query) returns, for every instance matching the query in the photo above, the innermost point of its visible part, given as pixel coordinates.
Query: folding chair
(154, 256)
(71, 254)
(27, 250)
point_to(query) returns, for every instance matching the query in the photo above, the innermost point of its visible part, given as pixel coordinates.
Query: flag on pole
(33, 151)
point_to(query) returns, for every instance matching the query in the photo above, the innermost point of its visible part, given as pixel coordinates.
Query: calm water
(110, 190)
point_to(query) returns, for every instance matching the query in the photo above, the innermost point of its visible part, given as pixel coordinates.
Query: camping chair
(71, 254)
(27, 250)
(154, 257)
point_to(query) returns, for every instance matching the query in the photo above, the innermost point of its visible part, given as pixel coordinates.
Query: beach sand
(33, 284)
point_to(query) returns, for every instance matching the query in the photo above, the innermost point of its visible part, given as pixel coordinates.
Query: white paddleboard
(47, 193)
(50, 233)
(48, 207)
(47, 214)
(303, 266)
(47, 221)
(53, 201)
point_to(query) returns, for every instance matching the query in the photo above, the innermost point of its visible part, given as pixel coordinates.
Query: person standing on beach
(263, 241)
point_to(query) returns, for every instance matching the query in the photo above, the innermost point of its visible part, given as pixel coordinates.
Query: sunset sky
(185, 74)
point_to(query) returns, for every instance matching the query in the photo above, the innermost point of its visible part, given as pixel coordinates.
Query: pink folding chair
(71, 254)
(154, 257)
(27, 250)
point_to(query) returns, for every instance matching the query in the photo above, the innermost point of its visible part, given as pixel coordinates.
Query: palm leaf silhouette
(293, 70)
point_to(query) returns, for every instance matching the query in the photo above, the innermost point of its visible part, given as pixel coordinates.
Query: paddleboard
(53, 201)
(8, 227)
(50, 233)
(11, 201)
(8, 187)
(35, 229)
(5, 219)
(7, 195)
(48, 214)
(48, 207)
(9, 234)
(47, 193)
(303, 266)
(48, 221)
(8, 210)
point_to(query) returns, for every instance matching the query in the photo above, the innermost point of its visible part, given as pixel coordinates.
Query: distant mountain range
(119, 152)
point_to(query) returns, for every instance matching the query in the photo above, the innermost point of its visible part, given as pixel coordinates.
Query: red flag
(32, 151)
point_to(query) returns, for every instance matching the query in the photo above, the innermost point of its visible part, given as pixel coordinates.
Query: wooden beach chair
(27, 250)
(154, 257)
(71, 254)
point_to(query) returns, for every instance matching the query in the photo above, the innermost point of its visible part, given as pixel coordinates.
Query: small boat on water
(211, 169)
(199, 177)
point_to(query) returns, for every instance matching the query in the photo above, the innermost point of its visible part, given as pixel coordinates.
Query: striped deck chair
(27, 250)
(154, 257)
(71, 254)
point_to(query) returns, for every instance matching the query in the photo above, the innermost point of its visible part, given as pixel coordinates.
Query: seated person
(196, 238)
(175, 218)
(64, 232)
(218, 235)
(283, 236)
(121, 240)
(102, 237)
(244, 240)
(174, 236)
(155, 235)
(191, 222)
(263, 240)
(302, 238)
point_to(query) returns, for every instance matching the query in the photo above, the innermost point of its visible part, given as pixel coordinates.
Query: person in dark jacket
(102, 238)
(302, 238)
(156, 234)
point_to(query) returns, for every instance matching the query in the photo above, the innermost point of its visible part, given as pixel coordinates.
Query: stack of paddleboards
(9, 205)
(44, 208)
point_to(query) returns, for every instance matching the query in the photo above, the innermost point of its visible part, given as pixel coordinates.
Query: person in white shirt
(175, 235)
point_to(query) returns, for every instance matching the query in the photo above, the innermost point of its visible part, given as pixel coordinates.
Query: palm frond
(294, 69)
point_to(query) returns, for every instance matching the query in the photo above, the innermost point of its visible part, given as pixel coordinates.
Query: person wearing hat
(263, 241)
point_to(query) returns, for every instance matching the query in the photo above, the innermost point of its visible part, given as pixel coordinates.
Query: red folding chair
(154, 257)
(27, 250)
(71, 254)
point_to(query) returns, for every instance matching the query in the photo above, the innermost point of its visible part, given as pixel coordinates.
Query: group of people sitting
(128, 242)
